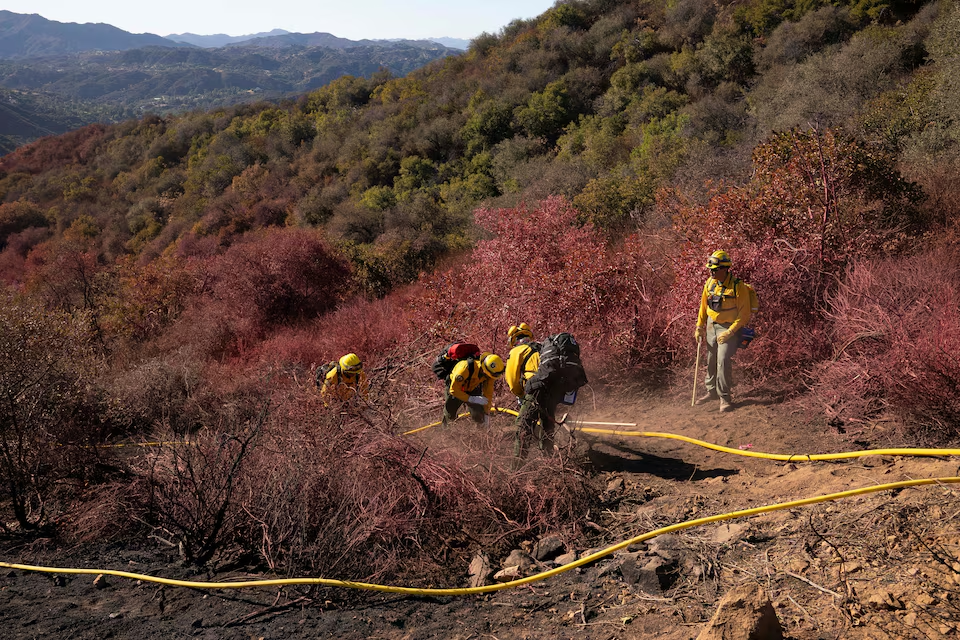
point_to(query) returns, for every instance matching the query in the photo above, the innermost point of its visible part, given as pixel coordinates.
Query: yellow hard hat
(719, 260)
(517, 332)
(350, 363)
(492, 365)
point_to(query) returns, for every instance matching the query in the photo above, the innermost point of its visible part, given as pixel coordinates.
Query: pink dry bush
(273, 279)
(540, 267)
(818, 201)
(334, 491)
(897, 350)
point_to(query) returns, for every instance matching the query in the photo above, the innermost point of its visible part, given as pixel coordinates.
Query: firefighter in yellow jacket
(724, 311)
(345, 379)
(471, 383)
(524, 358)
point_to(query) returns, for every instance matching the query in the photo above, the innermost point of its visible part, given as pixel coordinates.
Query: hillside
(174, 283)
(171, 81)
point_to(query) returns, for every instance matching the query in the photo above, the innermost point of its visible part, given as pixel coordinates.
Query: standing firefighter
(343, 379)
(471, 383)
(558, 376)
(724, 311)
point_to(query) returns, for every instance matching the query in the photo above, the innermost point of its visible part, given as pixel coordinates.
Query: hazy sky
(353, 19)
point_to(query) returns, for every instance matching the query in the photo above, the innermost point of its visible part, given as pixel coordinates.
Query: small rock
(518, 558)
(615, 486)
(566, 558)
(548, 547)
(745, 613)
(508, 574)
(196, 624)
(728, 531)
(100, 582)
(114, 616)
(480, 570)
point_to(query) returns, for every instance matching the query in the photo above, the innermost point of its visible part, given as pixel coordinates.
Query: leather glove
(478, 400)
(723, 337)
(698, 334)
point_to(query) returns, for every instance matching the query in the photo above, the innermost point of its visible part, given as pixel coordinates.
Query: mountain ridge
(32, 35)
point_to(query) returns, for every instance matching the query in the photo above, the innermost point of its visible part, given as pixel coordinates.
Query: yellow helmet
(517, 332)
(350, 363)
(719, 260)
(492, 365)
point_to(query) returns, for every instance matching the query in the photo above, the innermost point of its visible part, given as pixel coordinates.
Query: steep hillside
(601, 102)
(173, 285)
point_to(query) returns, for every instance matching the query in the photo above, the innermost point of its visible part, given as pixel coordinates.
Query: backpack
(747, 334)
(449, 357)
(323, 370)
(754, 298)
(560, 365)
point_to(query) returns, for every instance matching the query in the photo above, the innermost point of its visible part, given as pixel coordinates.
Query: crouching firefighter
(471, 383)
(558, 376)
(343, 379)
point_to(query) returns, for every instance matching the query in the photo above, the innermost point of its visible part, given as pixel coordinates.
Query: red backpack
(448, 358)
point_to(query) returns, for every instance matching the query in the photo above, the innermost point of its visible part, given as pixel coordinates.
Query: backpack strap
(523, 362)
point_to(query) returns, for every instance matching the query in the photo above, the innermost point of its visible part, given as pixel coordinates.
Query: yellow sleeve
(488, 394)
(702, 314)
(513, 374)
(329, 382)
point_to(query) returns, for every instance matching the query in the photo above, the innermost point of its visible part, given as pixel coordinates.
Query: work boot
(725, 405)
(708, 397)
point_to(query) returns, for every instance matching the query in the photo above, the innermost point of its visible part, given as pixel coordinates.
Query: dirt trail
(876, 566)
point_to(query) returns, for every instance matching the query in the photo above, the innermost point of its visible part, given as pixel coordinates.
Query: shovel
(696, 374)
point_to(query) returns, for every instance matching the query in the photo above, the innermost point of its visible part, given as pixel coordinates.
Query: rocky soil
(878, 566)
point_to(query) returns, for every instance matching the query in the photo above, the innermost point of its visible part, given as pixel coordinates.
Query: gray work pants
(720, 360)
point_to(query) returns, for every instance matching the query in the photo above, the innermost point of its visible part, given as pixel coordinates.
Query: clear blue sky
(353, 19)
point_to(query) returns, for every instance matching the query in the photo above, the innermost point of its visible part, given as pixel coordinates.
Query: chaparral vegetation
(180, 278)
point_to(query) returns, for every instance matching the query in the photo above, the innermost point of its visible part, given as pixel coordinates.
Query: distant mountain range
(279, 38)
(23, 35)
(220, 39)
(56, 76)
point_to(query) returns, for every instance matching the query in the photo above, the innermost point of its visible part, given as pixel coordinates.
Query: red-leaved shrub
(897, 350)
(541, 268)
(275, 277)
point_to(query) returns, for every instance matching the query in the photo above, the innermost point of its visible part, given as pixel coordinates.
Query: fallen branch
(813, 584)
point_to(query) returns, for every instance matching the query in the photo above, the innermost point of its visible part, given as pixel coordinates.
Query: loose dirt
(883, 565)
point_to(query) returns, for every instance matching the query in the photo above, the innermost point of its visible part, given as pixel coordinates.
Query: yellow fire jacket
(463, 381)
(522, 363)
(734, 303)
(344, 385)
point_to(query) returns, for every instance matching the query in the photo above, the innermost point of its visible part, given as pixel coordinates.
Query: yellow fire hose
(784, 457)
(465, 591)
(327, 582)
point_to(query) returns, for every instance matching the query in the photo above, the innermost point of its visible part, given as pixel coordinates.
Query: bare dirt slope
(883, 565)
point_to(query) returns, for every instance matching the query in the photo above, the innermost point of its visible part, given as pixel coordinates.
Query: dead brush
(333, 491)
(896, 348)
(194, 484)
